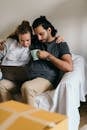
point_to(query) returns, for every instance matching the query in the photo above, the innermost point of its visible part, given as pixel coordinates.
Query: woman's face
(25, 39)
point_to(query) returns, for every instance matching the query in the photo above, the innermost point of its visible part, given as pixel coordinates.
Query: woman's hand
(59, 39)
(2, 45)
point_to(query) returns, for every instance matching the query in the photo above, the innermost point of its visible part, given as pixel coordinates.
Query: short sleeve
(63, 49)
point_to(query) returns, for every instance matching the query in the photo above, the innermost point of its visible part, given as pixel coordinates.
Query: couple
(44, 74)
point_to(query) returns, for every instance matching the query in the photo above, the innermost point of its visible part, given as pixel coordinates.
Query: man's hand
(43, 54)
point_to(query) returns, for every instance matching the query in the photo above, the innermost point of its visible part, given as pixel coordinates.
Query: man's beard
(43, 41)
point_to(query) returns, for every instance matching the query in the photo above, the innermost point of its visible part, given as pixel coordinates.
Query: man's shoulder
(59, 45)
(62, 43)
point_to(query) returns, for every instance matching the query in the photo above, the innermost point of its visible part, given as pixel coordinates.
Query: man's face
(42, 34)
(25, 39)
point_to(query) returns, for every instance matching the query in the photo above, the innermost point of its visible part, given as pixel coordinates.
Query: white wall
(69, 16)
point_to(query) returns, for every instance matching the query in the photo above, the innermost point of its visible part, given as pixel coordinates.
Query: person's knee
(2, 88)
(4, 93)
(24, 86)
(28, 90)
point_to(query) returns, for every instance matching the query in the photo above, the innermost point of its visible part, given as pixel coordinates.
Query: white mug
(34, 54)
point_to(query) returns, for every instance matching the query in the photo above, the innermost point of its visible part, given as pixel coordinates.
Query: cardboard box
(19, 116)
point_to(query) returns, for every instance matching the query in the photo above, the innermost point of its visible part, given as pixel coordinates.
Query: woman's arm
(2, 45)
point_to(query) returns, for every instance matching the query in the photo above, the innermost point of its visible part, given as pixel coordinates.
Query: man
(54, 59)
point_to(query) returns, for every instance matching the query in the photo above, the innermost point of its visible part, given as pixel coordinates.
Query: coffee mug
(34, 54)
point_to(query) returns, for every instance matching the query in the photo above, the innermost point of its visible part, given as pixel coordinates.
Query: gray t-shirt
(45, 68)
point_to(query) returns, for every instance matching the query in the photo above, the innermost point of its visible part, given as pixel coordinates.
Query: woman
(16, 48)
(15, 52)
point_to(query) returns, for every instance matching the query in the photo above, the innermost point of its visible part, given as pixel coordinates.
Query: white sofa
(66, 97)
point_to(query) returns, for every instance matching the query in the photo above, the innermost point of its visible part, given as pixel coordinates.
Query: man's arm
(65, 63)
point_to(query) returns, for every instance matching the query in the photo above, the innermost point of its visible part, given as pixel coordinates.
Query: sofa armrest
(71, 84)
(78, 70)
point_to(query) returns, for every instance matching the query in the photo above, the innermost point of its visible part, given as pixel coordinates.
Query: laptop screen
(14, 73)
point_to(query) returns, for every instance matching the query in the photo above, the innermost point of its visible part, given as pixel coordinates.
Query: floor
(83, 115)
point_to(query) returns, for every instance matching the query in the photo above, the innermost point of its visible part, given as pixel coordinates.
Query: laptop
(15, 73)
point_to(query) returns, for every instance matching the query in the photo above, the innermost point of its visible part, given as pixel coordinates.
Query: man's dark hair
(45, 24)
